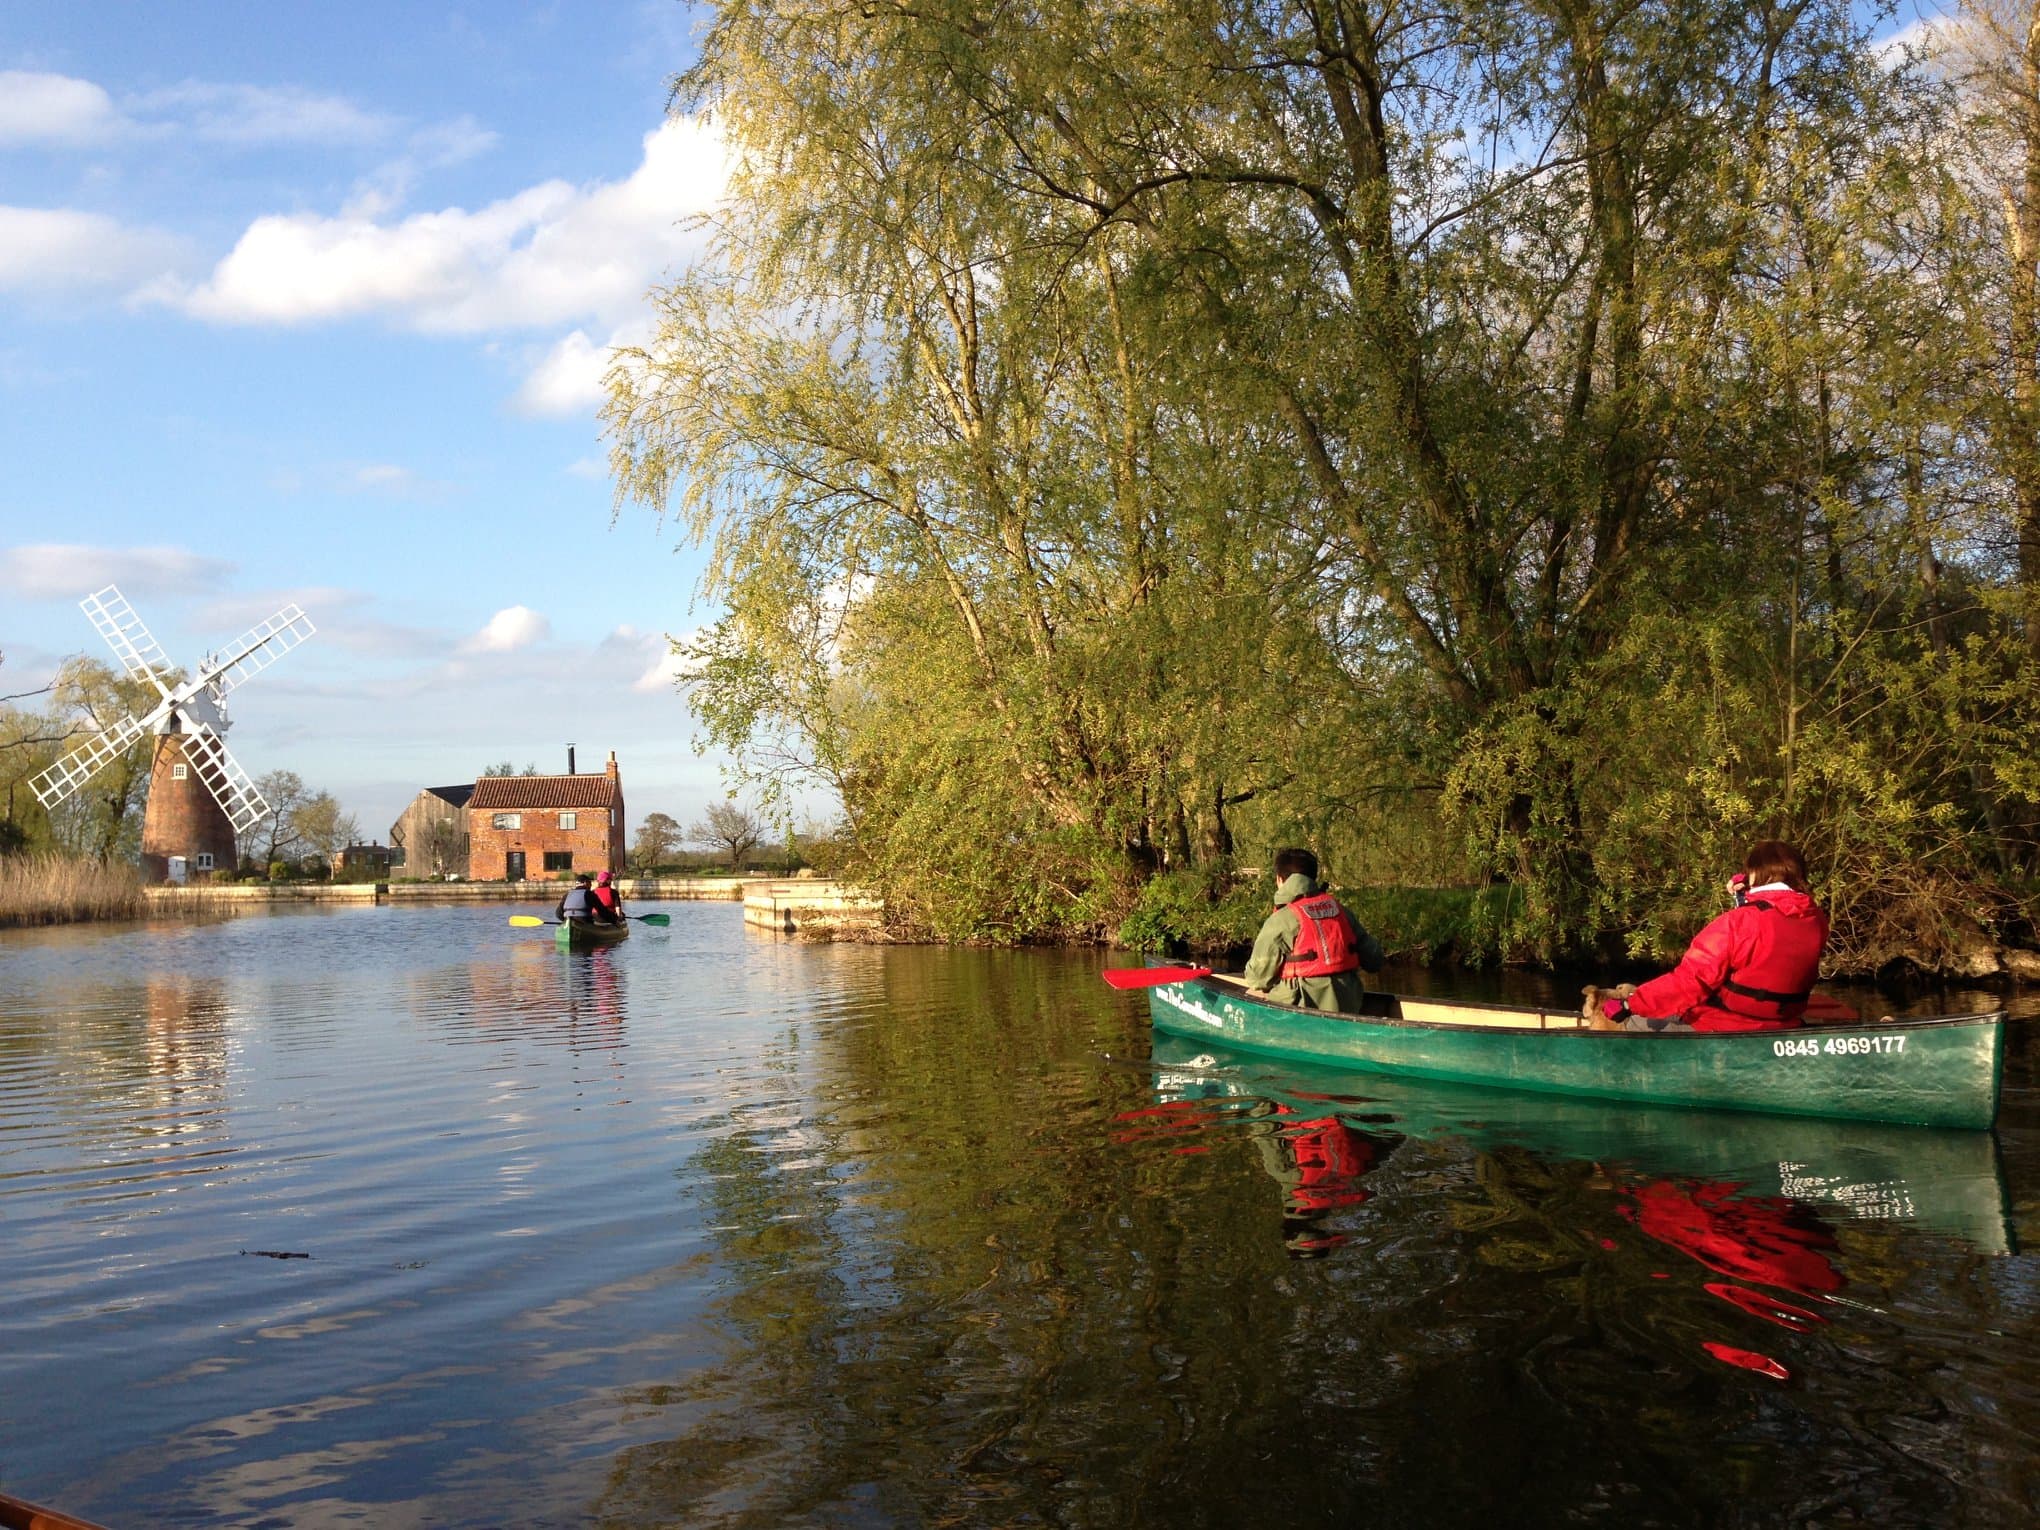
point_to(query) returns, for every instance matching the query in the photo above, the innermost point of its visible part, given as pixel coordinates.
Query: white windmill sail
(139, 652)
(256, 649)
(225, 779)
(84, 762)
(192, 710)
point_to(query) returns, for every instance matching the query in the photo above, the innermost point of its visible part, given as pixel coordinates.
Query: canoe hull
(1939, 1072)
(20, 1514)
(576, 935)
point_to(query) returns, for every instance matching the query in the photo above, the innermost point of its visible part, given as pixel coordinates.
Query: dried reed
(55, 889)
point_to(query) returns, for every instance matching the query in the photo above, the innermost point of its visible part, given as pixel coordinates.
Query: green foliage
(1131, 437)
(1206, 914)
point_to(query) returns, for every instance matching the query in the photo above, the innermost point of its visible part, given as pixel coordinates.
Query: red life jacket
(1751, 969)
(1324, 939)
(1773, 986)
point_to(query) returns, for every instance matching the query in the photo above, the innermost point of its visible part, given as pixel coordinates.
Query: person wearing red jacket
(1752, 969)
(608, 902)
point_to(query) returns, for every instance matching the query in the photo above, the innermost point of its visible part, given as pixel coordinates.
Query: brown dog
(1592, 998)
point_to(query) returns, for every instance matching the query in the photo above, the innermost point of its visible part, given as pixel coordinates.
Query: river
(402, 1218)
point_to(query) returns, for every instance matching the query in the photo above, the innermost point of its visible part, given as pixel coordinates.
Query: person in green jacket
(1310, 950)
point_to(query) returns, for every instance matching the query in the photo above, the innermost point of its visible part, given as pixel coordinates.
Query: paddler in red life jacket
(1310, 950)
(1752, 969)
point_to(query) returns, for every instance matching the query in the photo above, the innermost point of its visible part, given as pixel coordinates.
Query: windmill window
(204, 856)
(177, 772)
(506, 821)
(569, 820)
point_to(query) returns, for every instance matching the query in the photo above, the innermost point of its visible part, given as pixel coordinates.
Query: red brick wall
(595, 846)
(181, 818)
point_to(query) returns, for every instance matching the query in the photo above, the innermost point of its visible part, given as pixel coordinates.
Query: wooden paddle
(1151, 977)
(532, 921)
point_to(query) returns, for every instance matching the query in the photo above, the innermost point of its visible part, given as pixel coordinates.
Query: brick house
(361, 863)
(545, 827)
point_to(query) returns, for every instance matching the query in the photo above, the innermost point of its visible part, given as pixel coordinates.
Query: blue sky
(310, 303)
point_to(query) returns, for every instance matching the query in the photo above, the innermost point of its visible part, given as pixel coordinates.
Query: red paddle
(1151, 977)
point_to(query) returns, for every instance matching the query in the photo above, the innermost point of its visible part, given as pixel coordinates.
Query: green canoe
(581, 935)
(1931, 1072)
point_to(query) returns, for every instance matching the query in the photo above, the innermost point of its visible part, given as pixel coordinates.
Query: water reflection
(1316, 1156)
(713, 1230)
(1942, 1182)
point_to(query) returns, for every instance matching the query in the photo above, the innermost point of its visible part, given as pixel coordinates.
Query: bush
(1195, 912)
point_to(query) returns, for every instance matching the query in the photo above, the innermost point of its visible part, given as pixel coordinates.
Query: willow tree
(1991, 49)
(994, 572)
(1110, 412)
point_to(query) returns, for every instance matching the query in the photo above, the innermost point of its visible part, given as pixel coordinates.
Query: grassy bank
(55, 889)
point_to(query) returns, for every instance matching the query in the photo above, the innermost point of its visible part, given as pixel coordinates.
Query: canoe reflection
(1727, 1174)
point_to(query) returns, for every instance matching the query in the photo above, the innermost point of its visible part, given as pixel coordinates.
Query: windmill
(200, 799)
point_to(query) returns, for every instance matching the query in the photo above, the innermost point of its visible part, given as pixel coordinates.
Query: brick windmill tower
(199, 797)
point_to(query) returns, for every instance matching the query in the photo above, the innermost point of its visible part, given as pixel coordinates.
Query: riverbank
(212, 895)
(1431, 926)
(51, 889)
(811, 908)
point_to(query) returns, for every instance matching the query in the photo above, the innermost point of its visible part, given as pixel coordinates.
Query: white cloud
(569, 379)
(58, 109)
(511, 628)
(50, 249)
(386, 478)
(345, 619)
(261, 114)
(580, 467)
(54, 109)
(667, 663)
(433, 147)
(550, 254)
(71, 571)
(1919, 39)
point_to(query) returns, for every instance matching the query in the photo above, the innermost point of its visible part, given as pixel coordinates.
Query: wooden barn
(545, 827)
(433, 831)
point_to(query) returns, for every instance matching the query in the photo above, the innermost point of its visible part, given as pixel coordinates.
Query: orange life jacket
(1324, 939)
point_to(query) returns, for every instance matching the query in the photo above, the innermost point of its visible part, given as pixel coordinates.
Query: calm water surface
(714, 1230)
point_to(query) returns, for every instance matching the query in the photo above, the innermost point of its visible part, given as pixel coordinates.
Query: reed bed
(58, 889)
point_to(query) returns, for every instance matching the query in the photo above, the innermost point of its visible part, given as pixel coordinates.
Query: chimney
(610, 768)
(570, 759)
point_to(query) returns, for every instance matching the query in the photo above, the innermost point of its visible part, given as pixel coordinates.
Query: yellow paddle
(531, 922)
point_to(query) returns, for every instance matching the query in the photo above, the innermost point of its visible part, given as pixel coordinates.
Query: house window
(559, 860)
(506, 820)
(178, 772)
(612, 818)
(569, 820)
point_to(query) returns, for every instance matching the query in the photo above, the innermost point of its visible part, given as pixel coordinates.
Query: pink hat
(603, 880)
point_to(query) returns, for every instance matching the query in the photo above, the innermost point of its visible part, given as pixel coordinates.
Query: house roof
(453, 796)
(589, 791)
